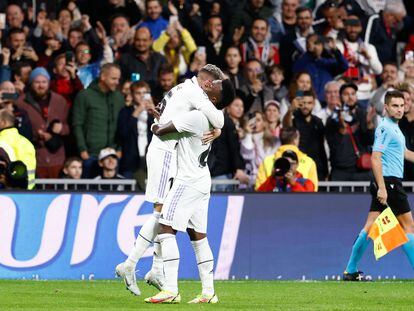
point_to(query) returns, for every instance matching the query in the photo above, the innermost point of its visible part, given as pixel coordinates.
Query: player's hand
(208, 137)
(382, 196)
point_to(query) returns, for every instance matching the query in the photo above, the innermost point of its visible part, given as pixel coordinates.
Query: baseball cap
(106, 152)
(347, 85)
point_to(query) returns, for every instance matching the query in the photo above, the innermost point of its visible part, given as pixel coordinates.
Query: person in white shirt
(193, 94)
(186, 205)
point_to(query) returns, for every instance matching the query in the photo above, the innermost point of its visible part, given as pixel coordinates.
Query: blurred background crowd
(82, 77)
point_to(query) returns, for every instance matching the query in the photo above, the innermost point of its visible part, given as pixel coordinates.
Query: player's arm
(379, 178)
(214, 116)
(164, 129)
(409, 155)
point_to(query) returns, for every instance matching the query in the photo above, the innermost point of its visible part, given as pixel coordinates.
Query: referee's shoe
(354, 277)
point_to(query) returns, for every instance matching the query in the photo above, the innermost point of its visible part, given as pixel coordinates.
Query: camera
(281, 167)
(13, 174)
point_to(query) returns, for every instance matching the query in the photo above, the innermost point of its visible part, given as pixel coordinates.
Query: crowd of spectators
(82, 78)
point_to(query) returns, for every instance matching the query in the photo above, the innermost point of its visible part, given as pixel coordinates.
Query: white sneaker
(129, 278)
(154, 280)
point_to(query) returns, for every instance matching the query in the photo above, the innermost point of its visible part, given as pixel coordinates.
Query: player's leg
(406, 221)
(197, 230)
(358, 249)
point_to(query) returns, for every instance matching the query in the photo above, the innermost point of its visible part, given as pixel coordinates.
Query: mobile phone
(409, 55)
(9, 96)
(173, 19)
(299, 93)
(2, 21)
(147, 96)
(69, 57)
(201, 50)
(135, 77)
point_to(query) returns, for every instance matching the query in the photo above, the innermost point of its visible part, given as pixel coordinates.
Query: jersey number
(163, 103)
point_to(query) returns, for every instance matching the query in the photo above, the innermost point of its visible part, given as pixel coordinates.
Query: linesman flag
(387, 233)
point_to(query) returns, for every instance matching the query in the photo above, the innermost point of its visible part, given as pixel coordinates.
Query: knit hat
(38, 71)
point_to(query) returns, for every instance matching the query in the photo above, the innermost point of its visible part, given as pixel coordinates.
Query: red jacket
(68, 88)
(57, 110)
(278, 185)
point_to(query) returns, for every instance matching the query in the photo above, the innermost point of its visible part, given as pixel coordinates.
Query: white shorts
(185, 207)
(162, 168)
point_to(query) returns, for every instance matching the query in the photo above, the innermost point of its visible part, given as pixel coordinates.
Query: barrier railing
(130, 185)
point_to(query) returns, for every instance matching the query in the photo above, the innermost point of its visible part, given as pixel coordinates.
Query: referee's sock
(409, 248)
(144, 239)
(360, 245)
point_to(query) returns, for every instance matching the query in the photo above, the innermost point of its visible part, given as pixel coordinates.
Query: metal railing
(130, 185)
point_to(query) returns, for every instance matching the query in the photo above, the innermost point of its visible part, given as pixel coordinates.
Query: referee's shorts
(397, 198)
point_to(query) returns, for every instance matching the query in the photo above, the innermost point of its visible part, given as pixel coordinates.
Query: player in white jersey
(196, 93)
(186, 205)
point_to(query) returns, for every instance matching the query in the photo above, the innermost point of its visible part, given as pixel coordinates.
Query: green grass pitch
(240, 295)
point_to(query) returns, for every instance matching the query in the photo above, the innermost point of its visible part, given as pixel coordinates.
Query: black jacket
(127, 138)
(225, 155)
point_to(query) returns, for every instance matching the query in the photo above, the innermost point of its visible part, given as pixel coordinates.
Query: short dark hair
(227, 94)
(261, 19)
(302, 9)
(165, 68)
(15, 30)
(75, 29)
(108, 66)
(69, 161)
(17, 67)
(393, 94)
(389, 63)
(288, 135)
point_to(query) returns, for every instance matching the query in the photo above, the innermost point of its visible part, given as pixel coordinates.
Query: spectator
(290, 141)
(406, 125)
(382, 28)
(293, 45)
(233, 68)
(257, 143)
(22, 121)
(406, 72)
(127, 8)
(134, 134)
(154, 21)
(333, 23)
(321, 69)
(311, 130)
(5, 70)
(275, 77)
(352, 123)
(95, 113)
(121, 34)
(176, 44)
(301, 82)
(48, 113)
(65, 82)
(255, 92)
(20, 74)
(236, 111)
(72, 168)
(243, 17)
(14, 16)
(389, 77)
(108, 161)
(258, 46)
(141, 59)
(291, 181)
(165, 82)
(88, 71)
(199, 60)
(215, 42)
(284, 22)
(272, 117)
(126, 91)
(331, 99)
(362, 59)
(224, 160)
(20, 51)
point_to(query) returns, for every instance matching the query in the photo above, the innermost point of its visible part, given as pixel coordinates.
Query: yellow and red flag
(387, 233)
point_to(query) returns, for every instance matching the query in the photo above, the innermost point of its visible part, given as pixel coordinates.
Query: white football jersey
(192, 155)
(180, 99)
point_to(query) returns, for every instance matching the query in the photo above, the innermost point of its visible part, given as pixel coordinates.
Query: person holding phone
(177, 45)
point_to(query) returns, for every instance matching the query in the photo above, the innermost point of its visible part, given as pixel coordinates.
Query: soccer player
(196, 93)
(186, 205)
(388, 155)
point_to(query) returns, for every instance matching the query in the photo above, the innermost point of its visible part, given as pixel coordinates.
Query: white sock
(144, 239)
(171, 261)
(205, 263)
(157, 263)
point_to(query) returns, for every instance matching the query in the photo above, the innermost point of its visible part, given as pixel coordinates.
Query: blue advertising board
(255, 236)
